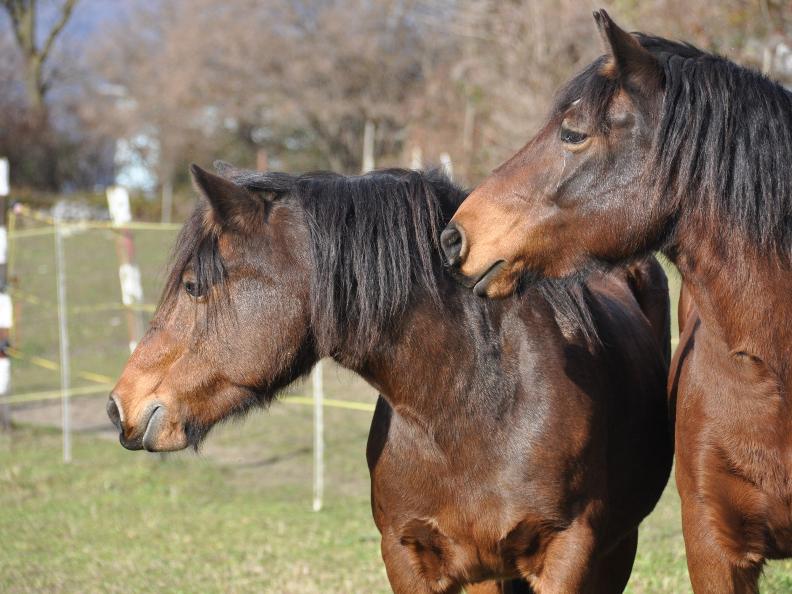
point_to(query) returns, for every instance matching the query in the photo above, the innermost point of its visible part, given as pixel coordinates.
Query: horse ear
(226, 169)
(627, 60)
(232, 205)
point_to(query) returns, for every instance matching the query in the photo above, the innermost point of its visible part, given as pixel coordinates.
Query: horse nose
(114, 412)
(452, 240)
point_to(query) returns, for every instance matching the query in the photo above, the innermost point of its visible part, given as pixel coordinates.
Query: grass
(117, 522)
(232, 520)
(97, 326)
(235, 518)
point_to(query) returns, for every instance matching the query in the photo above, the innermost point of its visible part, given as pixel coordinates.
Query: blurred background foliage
(131, 91)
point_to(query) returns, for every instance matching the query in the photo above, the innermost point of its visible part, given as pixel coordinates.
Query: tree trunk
(33, 84)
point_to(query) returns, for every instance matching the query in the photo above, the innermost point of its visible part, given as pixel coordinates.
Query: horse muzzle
(155, 430)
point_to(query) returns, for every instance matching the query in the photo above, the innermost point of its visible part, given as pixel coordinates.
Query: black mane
(374, 245)
(722, 154)
(375, 248)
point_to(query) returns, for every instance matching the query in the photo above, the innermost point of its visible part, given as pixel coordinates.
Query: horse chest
(735, 445)
(456, 519)
(444, 547)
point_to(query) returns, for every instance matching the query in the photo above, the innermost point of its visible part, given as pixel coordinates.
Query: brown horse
(658, 145)
(520, 439)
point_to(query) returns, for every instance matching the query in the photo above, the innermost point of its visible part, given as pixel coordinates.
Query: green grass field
(235, 518)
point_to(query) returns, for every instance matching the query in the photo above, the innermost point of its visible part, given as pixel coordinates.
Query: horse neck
(444, 368)
(742, 295)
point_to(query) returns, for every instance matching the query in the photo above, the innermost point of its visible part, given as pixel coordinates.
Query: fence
(75, 322)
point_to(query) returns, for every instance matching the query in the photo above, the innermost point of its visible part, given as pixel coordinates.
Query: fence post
(447, 165)
(416, 158)
(6, 308)
(369, 132)
(167, 200)
(63, 334)
(262, 160)
(128, 271)
(318, 401)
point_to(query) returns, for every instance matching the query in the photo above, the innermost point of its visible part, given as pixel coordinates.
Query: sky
(88, 15)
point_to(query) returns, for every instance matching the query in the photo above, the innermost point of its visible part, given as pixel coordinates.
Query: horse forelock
(196, 250)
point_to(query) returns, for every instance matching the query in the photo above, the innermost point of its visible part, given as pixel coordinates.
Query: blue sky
(88, 15)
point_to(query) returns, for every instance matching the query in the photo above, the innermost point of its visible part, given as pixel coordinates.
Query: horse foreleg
(713, 569)
(568, 565)
(614, 569)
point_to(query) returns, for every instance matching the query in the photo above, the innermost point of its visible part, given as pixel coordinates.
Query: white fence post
(63, 333)
(369, 131)
(5, 188)
(447, 165)
(416, 158)
(128, 271)
(318, 400)
(6, 308)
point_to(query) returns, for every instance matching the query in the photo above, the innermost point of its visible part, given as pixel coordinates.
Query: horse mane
(722, 151)
(374, 242)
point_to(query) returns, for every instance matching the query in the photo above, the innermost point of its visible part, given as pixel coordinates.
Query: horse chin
(499, 282)
(164, 434)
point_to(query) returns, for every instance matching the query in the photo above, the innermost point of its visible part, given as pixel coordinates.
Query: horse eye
(572, 137)
(191, 288)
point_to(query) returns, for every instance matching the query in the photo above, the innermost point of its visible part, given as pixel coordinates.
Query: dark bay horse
(660, 146)
(518, 440)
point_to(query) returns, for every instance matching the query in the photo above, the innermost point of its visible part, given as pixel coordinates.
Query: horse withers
(660, 146)
(519, 442)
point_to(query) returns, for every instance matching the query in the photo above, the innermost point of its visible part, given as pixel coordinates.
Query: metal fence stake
(63, 335)
(318, 398)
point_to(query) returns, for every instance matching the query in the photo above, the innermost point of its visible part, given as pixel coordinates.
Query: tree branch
(66, 11)
(13, 8)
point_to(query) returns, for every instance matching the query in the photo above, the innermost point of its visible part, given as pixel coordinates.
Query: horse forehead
(531, 162)
(620, 101)
(229, 244)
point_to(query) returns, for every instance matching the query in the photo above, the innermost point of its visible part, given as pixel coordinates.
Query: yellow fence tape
(54, 366)
(57, 394)
(103, 390)
(26, 211)
(332, 403)
(34, 232)
(34, 300)
(105, 384)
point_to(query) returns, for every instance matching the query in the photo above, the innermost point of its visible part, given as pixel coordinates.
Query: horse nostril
(451, 241)
(114, 412)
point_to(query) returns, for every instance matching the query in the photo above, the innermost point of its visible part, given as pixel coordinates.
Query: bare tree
(24, 22)
(301, 78)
